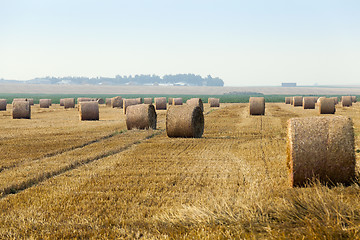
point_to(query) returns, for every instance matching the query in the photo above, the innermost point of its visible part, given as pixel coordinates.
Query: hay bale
(100, 101)
(69, 103)
(160, 103)
(139, 100)
(3, 104)
(291, 100)
(128, 102)
(308, 103)
(170, 100)
(320, 148)
(21, 109)
(336, 100)
(108, 102)
(62, 102)
(196, 102)
(83, 99)
(353, 99)
(177, 101)
(346, 101)
(257, 105)
(327, 106)
(297, 101)
(141, 116)
(184, 121)
(214, 102)
(117, 102)
(44, 103)
(287, 100)
(148, 100)
(89, 110)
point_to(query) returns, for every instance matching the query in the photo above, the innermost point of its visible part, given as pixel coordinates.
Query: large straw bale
(69, 103)
(44, 103)
(160, 103)
(170, 100)
(62, 102)
(346, 101)
(21, 109)
(3, 104)
(214, 102)
(139, 100)
(100, 101)
(196, 102)
(129, 102)
(336, 100)
(327, 106)
(148, 100)
(287, 100)
(141, 116)
(184, 121)
(308, 103)
(320, 148)
(257, 105)
(117, 102)
(177, 101)
(108, 102)
(89, 110)
(83, 99)
(298, 101)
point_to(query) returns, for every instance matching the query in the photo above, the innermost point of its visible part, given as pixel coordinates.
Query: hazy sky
(246, 43)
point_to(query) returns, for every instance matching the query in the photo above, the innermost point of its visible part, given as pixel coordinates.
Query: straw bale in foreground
(89, 110)
(21, 109)
(257, 105)
(141, 116)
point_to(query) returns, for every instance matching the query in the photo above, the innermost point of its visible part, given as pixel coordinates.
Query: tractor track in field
(16, 188)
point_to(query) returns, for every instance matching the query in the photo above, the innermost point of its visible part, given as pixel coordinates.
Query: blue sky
(246, 43)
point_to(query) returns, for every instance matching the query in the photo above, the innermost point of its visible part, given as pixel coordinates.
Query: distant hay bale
(148, 100)
(139, 100)
(160, 103)
(336, 100)
(62, 102)
(170, 100)
(346, 101)
(196, 102)
(320, 148)
(100, 101)
(108, 102)
(44, 103)
(82, 99)
(128, 102)
(141, 116)
(69, 103)
(287, 100)
(353, 99)
(3, 104)
(298, 101)
(177, 101)
(291, 100)
(214, 102)
(257, 105)
(327, 106)
(308, 103)
(184, 121)
(21, 109)
(117, 102)
(89, 111)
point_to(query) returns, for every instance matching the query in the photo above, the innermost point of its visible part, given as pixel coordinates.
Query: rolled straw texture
(196, 102)
(177, 101)
(287, 100)
(184, 121)
(257, 105)
(320, 148)
(214, 102)
(148, 100)
(346, 101)
(89, 110)
(141, 116)
(128, 102)
(117, 102)
(160, 103)
(298, 101)
(3, 104)
(308, 103)
(44, 103)
(327, 106)
(69, 103)
(21, 109)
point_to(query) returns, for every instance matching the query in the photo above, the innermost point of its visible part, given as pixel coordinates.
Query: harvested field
(64, 178)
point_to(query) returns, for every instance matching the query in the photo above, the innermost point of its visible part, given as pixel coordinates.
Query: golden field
(63, 178)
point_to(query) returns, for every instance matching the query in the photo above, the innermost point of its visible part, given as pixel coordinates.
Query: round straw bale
(69, 103)
(346, 101)
(62, 102)
(148, 100)
(21, 109)
(141, 116)
(196, 102)
(214, 102)
(319, 99)
(108, 102)
(139, 100)
(298, 101)
(321, 148)
(89, 110)
(353, 99)
(184, 121)
(3, 104)
(100, 101)
(128, 102)
(44, 103)
(117, 102)
(291, 100)
(177, 101)
(170, 100)
(287, 100)
(160, 103)
(83, 99)
(257, 105)
(336, 100)
(327, 106)
(308, 103)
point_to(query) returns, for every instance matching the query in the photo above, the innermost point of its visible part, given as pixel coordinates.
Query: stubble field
(63, 178)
